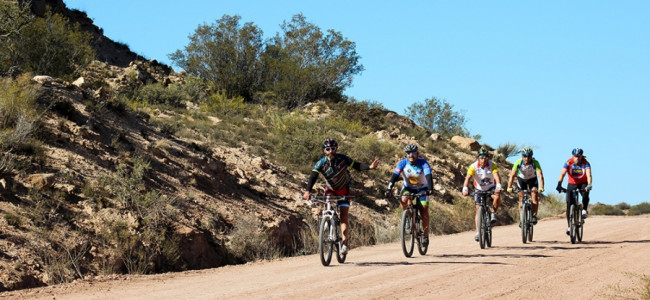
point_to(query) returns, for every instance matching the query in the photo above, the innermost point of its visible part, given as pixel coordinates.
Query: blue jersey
(414, 175)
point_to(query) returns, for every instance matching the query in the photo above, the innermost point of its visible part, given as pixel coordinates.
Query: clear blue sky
(553, 75)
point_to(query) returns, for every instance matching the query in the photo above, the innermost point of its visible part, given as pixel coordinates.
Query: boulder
(466, 143)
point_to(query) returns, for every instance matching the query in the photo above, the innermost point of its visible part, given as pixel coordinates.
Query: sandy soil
(455, 268)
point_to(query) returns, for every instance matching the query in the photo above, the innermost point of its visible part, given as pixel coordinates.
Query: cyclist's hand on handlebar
(428, 193)
(388, 193)
(465, 191)
(541, 190)
(559, 187)
(306, 195)
(509, 189)
(588, 188)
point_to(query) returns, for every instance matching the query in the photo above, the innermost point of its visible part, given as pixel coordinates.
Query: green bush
(607, 210)
(158, 94)
(639, 209)
(249, 241)
(623, 206)
(13, 220)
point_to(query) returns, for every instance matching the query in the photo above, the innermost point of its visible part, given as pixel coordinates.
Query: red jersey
(577, 173)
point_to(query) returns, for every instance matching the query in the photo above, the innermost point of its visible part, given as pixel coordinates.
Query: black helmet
(577, 151)
(411, 148)
(527, 152)
(331, 143)
(482, 152)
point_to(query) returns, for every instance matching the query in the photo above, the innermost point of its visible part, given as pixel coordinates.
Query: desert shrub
(454, 218)
(370, 114)
(639, 209)
(508, 149)
(551, 206)
(622, 206)
(438, 115)
(158, 94)
(366, 148)
(249, 241)
(220, 103)
(607, 210)
(13, 220)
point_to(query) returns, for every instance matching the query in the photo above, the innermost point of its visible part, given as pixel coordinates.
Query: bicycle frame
(411, 218)
(525, 216)
(484, 225)
(330, 235)
(575, 216)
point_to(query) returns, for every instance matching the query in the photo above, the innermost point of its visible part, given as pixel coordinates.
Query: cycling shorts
(342, 192)
(424, 200)
(527, 184)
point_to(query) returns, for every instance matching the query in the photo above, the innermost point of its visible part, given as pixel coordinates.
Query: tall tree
(439, 116)
(305, 64)
(226, 54)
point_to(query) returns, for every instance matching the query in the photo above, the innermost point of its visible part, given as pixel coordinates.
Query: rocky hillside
(112, 190)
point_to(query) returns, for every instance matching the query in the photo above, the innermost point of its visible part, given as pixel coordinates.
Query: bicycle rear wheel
(523, 219)
(420, 230)
(325, 243)
(406, 233)
(339, 256)
(530, 224)
(573, 223)
(482, 228)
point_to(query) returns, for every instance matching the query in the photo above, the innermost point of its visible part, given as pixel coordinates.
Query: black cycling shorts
(527, 184)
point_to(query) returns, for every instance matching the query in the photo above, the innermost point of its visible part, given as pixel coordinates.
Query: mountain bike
(329, 231)
(576, 222)
(484, 225)
(412, 229)
(526, 217)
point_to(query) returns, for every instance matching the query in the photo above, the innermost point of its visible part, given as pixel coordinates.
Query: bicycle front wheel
(406, 233)
(573, 219)
(325, 243)
(488, 229)
(581, 225)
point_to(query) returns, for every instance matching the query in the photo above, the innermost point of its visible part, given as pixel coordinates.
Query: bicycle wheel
(406, 233)
(325, 243)
(488, 229)
(523, 219)
(580, 224)
(339, 257)
(481, 227)
(420, 230)
(573, 219)
(530, 224)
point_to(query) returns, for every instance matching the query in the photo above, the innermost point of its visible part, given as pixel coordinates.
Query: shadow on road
(420, 263)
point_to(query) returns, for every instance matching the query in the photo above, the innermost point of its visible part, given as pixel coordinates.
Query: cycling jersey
(526, 171)
(483, 176)
(577, 173)
(335, 171)
(413, 175)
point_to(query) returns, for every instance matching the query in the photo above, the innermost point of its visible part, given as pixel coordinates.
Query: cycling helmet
(331, 143)
(527, 152)
(411, 148)
(482, 152)
(577, 151)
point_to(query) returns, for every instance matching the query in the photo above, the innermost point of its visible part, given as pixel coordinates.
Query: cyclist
(334, 167)
(417, 178)
(529, 176)
(486, 178)
(579, 171)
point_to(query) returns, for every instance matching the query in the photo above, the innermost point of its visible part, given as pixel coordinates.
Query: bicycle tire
(572, 221)
(523, 219)
(325, 244)
(420, 230)
(406, 233)
(530, 224)
(580, 224)
(488, 229)
(481, 226)
(339, 257)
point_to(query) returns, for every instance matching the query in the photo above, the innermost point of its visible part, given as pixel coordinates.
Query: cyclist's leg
(585, 195)
(569, 199)
(424, 212)
(476, 210)
(404, 201)
(521, 187)
(533, 184)
(344, 223)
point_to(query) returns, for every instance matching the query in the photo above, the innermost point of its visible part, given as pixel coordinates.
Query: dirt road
(455, 268)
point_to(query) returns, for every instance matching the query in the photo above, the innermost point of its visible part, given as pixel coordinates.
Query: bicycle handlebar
(324, 199)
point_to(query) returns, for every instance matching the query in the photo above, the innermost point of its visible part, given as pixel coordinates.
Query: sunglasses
(330, 149)
(412, 153)
(482, 156)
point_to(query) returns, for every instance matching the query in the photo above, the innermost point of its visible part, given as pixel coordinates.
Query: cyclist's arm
(540, 178)
(360, 166)
(312, 180)
(429, 182)
(511, 177)
(588, 171)
(563, 172)
(393, 178)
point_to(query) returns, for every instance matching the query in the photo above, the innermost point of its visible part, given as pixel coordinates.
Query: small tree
(439, 116)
